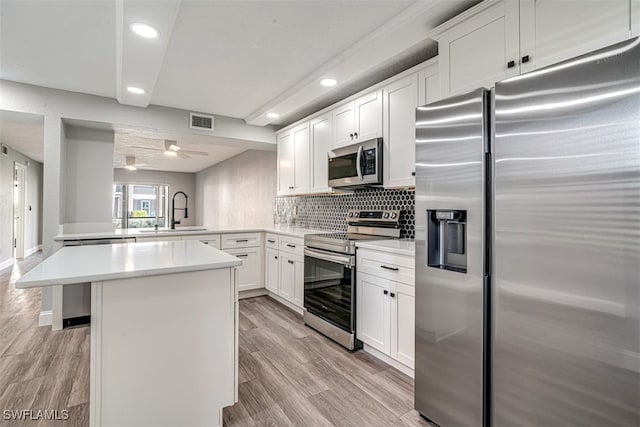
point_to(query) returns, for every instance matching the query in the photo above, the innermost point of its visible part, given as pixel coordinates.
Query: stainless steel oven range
(330, 273)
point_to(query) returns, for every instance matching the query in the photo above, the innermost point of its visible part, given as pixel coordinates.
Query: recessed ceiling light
(135, 90)
(170, 153)
(273, 115)
(328, 82)
(144, 30)
(130, 167)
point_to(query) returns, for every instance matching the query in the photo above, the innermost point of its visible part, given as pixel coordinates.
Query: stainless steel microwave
(356, 164)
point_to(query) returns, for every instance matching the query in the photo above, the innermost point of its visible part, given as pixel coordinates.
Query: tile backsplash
(328, 211)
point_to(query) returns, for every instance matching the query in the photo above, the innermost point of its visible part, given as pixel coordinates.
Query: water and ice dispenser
(447, 239)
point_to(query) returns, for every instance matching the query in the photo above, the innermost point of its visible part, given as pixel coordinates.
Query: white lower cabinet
(247, 247)
(284, 268)
(272, 270)
(373, 312)
(249, 273)
(385, 306)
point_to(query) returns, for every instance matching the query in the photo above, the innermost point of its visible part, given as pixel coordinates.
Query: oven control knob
(386, 215)
(394, 215)
(355, 214)
(350, 214)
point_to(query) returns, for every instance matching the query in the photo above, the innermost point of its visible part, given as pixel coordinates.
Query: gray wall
(239, 191)
(175, 180)
(33, 224)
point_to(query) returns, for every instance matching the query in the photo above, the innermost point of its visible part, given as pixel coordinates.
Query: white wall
(88, 165)
(33, 223)
(239, 191)
(175, 180)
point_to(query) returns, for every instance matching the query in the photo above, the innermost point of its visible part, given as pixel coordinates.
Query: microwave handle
(358, 159)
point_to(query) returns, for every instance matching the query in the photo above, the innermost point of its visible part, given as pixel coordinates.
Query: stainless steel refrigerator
(528, 248)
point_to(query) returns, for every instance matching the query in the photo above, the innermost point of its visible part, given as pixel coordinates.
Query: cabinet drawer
(272, 240)
(293, 245)
(212, 240)
(394, 267)
(240, 240)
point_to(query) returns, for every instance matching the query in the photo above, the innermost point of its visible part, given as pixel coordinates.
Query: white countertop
(79, 264)
(185, 231)
(399, 247)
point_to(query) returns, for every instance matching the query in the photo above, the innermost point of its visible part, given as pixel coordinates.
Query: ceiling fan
(130, 163)
(171, 148)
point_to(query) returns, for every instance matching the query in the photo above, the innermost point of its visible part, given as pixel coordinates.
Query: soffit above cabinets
(238, 59)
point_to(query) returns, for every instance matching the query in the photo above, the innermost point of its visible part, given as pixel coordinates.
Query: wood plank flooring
(292, 376)
(39, 369)
(289, 375)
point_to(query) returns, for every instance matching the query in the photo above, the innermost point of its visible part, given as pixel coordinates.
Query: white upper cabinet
(285, 163)
(321, 140)
(428, 85)
(552, 31)
(294, 161)
(399, 116)
(635, 18)
(478, 47)
(358, 120)
(302, 164)
(499, 39)
(368, 116)
(343, 120)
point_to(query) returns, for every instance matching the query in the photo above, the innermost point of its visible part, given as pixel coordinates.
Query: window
(140, 205)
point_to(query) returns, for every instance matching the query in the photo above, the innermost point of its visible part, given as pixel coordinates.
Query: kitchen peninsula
(164, 330)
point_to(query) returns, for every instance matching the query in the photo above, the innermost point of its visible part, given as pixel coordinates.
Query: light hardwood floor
(289, 374)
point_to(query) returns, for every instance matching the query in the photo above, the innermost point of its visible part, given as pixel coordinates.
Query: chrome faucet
(173, 209)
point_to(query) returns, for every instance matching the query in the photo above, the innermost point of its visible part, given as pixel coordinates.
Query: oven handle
(358, 159)
(344, 260)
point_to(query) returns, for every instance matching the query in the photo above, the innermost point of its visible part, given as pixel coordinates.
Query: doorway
(19, 211)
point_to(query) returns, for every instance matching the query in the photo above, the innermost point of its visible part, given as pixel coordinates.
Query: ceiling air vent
(201, 122)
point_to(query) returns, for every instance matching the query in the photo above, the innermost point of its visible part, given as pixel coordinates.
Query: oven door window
(328, 291)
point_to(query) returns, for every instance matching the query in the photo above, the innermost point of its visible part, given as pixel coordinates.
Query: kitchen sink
(168, 230)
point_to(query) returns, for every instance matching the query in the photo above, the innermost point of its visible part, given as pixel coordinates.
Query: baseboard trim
(45, 318)
(6, 264)
(286, 303)
(389, 361)
(32, 251)
(252, 293)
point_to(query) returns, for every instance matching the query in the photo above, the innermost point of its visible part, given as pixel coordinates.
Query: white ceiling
(23, 132)
(239, 59)
(150, 152)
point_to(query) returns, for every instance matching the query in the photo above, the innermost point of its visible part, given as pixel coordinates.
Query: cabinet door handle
(275, 257)
(290, 245)
(355, 134)
(242, 255)
(525, 59)
(389, 268)
(290, 262)
(271, 241)
(351, 135)
(413, 173)
(385, 292)
(242, 240)
(392, 295)
(511, 64)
